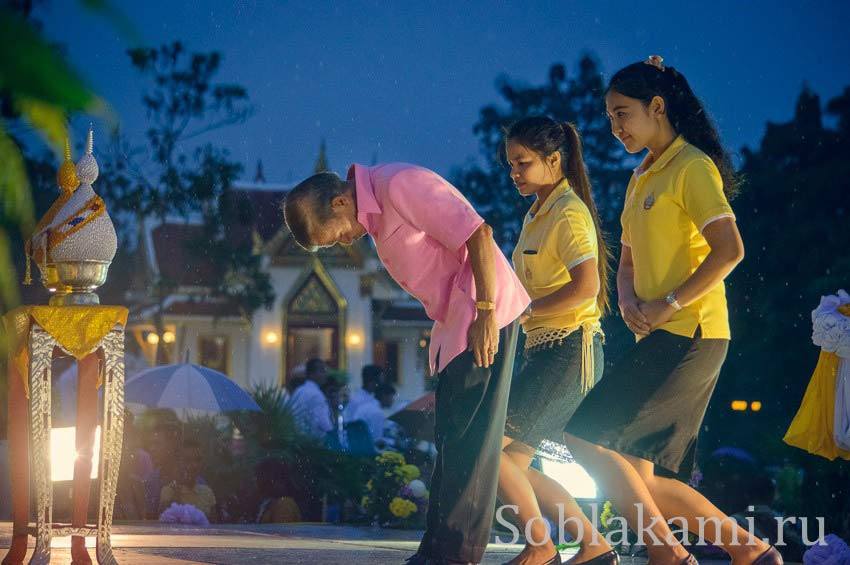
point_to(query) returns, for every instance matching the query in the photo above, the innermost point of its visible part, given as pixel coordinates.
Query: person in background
(276, 493)
(371, 376)
(309, 404)
(187, 488)
(162, 445)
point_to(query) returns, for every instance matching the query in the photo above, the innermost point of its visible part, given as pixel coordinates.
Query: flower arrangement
(183, 514)
(822, 424)
(395, 495)
(834, 551)
(831, 324)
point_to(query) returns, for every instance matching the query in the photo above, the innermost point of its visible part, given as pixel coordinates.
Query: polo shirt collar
(675, 148)
(365, 192)
(562, 188)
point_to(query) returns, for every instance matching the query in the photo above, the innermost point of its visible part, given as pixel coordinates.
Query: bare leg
(626, 489)
(675, 498)
(88, 370)
(549, 495)
(515, 489)
(19, 472)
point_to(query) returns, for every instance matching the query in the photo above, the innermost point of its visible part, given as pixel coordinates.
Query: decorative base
(58, 299)
(75, 299)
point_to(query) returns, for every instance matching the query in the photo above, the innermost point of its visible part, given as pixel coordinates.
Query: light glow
(572, 477)
(63, 453)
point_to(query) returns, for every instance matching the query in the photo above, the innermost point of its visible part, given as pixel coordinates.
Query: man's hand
(634, 317)
(656, 312)
(483, 338)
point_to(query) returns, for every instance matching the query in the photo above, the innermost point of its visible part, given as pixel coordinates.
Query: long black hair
(686, 113)
(545, 136)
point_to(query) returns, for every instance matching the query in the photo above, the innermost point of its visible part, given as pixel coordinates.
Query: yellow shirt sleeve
(625, 238)
(702, 193)
(575, 241)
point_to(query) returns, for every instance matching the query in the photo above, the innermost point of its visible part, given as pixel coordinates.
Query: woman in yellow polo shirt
(562, 261)
(637, 431)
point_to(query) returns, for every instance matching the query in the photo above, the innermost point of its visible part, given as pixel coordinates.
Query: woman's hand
(656, 312)
(634, 317)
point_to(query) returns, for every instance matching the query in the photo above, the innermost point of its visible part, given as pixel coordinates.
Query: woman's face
(631, 122)
(531, 171)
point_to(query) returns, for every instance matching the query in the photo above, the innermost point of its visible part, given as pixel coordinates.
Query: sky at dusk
(404, 81)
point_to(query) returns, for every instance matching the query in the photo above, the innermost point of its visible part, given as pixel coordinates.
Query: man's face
(342, 227)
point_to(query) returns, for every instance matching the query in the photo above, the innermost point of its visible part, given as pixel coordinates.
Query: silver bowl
(81, 279)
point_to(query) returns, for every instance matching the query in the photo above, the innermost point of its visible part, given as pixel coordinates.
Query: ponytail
(686, 113)
(572, 163)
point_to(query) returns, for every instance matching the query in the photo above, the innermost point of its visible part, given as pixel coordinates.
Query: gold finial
(67, 175)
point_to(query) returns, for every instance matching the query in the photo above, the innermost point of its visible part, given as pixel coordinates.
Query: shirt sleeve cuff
(716, 217)
(462, 235)
(580, 260)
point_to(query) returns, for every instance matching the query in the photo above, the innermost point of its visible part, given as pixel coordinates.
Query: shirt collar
(675, 148)
(365, 193)
(560, 190)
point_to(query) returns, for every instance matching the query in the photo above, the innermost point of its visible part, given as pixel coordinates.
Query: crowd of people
(162, 466)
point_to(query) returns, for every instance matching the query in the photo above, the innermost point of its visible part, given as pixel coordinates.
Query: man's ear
(340, 201)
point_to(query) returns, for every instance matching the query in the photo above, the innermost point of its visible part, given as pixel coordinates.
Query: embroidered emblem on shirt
(650, 200)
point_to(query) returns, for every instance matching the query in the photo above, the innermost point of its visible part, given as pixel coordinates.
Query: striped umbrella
(187, 387)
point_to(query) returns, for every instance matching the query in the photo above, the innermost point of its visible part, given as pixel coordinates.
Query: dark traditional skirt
(546, 392)
(652, 402)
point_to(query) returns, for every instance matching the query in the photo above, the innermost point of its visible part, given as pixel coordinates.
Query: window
(214, 352)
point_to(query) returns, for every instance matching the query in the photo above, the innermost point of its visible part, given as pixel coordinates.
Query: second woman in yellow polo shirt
(637, 431)
(562, 262)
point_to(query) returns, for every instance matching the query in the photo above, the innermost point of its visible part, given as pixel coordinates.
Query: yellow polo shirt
(556, 237)
(666, 208)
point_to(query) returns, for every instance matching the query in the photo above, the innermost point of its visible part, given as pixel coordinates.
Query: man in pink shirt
(434, 244)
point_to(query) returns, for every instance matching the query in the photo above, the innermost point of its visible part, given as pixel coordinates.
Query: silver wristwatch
(671, 300)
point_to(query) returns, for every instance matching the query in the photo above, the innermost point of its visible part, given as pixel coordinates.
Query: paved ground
(313, 544)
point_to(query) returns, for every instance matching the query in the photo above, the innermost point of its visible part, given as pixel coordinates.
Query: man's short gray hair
(311, 199)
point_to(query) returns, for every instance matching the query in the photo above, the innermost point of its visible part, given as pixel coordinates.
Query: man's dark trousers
(471, 403)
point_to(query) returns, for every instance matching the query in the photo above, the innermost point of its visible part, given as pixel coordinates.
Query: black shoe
(608, 558)
(769, 557)
(444, 561)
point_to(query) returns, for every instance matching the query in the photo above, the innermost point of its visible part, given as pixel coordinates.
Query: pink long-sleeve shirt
(420, 224)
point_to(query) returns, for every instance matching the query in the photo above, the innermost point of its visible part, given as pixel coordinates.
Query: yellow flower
(408, 473)
(402, 507)
(369, 485)
(608, 513)
(390, 457)
(364, 501)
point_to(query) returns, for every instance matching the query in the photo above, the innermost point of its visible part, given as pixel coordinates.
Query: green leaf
(31, 68)
(16, 206)
(49, 121)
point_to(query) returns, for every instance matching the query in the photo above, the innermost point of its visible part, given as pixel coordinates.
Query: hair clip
(656, 61)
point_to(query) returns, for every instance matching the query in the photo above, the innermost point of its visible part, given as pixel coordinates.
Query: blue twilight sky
(404, 80)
